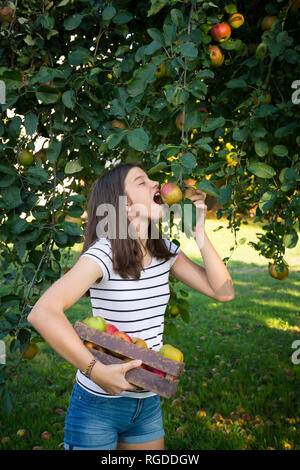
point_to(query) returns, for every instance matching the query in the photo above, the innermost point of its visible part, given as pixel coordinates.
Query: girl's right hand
(111, 378)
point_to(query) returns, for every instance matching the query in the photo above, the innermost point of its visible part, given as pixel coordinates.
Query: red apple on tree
(179, 120)
(220, 32)
(267, 22)
(216, 56)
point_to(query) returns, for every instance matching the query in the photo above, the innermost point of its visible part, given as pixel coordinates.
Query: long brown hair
(127, 255)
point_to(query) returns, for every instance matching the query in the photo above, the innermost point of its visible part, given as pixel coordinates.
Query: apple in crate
(95, 322)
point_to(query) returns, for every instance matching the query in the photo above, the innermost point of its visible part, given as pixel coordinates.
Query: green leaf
(71, 228)
(157, 168)
(237, 83)
(262, 170)
(265, 110)
(30, 123)
(138, 139)
(280, 150)
(177, 17)
(206, 186)
(79, 56)
(47, 94)
(169, 33)
(12, 79)
(267, 201)
(188, 160)
(114, 139)
(11, 197)
(141, 78)
(212, 124)
(73, 167)
(288, 175)
(122, 17)
(108, 13)
(188, 49)
(156, 35)
(290, 239)
(72, 22)
(53, 150)
(156, 6)
(68, 99)
(230, 8)
(197, 88)
(261, 148)
(36, 176)
(224, 194)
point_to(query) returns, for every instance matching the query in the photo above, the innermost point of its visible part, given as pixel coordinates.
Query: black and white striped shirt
(135, 306)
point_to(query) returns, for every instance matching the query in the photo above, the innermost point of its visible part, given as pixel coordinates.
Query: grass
(238, 370)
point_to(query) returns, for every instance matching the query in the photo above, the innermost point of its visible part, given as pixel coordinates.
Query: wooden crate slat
(147, 356)
(141, 377)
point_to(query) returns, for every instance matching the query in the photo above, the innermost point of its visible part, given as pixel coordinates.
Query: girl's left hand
(199, 201)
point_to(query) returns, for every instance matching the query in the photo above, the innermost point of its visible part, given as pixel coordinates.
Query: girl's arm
(214, 279)
(49, 319)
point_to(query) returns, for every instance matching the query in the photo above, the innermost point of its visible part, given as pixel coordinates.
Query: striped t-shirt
(135, 306)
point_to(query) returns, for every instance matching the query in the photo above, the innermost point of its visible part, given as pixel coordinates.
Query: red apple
(267, 22)
(171, 193)
(178, 121)
(205, 110)
(122, 335)
(216, 56)
(111, 329)
(220, 32)
(156, 371)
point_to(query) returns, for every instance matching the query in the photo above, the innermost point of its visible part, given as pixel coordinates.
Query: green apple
(95, 322)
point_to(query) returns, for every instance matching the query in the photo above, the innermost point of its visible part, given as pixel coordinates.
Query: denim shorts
(96, 422)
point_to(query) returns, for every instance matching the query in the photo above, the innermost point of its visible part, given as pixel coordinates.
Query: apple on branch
(236, 20)
(220, 32)
(216, 56)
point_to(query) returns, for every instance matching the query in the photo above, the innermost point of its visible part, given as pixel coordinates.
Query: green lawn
(238, 370)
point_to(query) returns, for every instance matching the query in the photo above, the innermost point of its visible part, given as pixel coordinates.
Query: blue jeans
(95, 422)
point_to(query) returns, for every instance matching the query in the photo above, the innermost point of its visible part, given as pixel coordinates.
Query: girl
(128, 280)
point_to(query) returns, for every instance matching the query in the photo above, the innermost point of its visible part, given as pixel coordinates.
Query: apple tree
(197, 89)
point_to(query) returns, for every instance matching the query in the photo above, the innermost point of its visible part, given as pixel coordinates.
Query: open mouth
(157, 198)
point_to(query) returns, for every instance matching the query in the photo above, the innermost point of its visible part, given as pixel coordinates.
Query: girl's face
(140, 191)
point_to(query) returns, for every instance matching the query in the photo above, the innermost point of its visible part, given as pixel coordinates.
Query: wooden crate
(164, 386)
